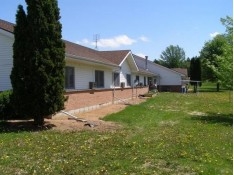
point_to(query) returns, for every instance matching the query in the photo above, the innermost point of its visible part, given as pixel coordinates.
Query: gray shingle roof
(183, 71)
(141, 64)
(79, 51)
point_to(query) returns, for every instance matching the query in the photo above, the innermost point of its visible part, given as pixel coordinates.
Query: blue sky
(146, 27)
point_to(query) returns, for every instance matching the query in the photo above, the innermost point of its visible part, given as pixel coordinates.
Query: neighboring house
(166, 79)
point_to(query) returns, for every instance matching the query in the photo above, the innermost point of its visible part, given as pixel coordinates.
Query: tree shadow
(214, 118)
(17, 126)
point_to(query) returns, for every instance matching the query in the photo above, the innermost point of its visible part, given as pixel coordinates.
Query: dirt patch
(62, 122)
(94, 118)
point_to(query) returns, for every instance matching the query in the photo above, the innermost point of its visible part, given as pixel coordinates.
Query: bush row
(6, 107)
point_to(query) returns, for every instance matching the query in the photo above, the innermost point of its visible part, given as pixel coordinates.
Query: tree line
(214, 62)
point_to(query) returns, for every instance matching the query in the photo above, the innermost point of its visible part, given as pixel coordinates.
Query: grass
(171, 133)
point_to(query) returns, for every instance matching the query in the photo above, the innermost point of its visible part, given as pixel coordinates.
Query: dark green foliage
(6, 108)
(44, 54)
(20, 71)
(195, 72)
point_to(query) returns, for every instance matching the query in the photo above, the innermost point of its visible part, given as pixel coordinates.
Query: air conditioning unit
(92, 85)
(122, 84)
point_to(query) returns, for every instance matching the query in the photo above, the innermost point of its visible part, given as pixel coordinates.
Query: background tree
(217, 57)
(44, 53)
(173, 57)
(195, 72)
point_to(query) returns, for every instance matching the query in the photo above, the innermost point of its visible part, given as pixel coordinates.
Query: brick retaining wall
(81, 101)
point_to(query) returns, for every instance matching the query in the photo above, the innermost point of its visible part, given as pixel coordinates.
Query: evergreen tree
(45, 59)
(195, 72)
(19, 74)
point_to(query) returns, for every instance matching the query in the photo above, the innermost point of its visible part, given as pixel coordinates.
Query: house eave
(88, 60)
(132, 62)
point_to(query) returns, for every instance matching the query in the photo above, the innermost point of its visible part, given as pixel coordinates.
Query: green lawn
(171, 133)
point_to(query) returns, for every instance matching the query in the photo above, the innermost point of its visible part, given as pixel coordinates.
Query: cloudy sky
(146, 27)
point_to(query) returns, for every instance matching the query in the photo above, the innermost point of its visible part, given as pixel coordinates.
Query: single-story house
(92, 78)
(166, 79)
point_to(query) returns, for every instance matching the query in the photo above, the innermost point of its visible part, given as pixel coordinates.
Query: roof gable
(141, 64)
(116, 56)
(151, 66)
(120, 56)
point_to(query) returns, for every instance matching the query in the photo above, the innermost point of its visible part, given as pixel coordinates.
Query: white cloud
(117, 41)
(144, 39)
(212, 35)
(114, 42)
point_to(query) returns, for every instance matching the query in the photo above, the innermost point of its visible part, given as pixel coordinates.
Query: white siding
(108, 78)
(86, 73)
(125, 69)
(167, 76)
(6, 60)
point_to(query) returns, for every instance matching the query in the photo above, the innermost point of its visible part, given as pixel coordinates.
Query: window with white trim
(99, 78)
(129, 80)
(116, 78)
(69, 77)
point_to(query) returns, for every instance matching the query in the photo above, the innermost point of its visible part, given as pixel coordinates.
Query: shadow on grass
(22, 126)
(224, 119)
(211, 90)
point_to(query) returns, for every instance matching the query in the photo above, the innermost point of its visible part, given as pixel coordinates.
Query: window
(69, 78)
(136, 81)
(144, 81)
(99, 78)
(128, 80)
(116, 79)
(150, 81)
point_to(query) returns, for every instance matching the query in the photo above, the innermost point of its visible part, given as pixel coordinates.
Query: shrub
(6, 107)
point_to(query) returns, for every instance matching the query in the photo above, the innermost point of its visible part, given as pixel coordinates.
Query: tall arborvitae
(47, 53)
(195, 72)
(20, 64)
(44, 51)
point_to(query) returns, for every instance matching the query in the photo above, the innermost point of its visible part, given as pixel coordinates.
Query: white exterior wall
(125, 69)
(86, 73)
(6, 59)
(167, 76)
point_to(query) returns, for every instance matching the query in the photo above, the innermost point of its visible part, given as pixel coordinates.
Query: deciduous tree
(217, 56)
(173, 57)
